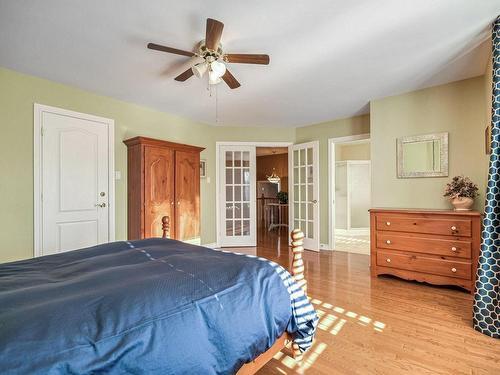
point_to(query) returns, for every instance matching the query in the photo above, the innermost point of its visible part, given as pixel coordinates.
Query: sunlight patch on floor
(332, 319)
(352, 243)
(278, 355)
(327, 322)
(311, 358)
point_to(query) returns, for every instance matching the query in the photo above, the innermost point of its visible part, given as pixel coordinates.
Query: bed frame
(285, 341)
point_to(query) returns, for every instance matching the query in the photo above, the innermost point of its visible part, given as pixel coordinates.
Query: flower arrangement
(282, 197)
(461, 186)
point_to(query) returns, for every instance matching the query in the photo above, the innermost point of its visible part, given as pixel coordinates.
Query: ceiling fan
(211, 58)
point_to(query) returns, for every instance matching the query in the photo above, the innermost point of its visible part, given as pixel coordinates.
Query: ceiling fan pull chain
(216, 104)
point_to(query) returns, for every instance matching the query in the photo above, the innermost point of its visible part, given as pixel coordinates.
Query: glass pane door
(305, 192)
(237, 226)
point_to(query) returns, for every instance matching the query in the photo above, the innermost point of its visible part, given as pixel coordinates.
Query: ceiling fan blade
(176, 51)
(230, 80)
(245, 58)
(213, 33)
(185, 75)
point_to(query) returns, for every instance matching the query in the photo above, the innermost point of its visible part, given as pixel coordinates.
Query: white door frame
(38, 110)
(217, 174)
(331, 181)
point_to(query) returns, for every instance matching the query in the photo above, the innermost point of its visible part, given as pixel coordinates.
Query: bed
(151, 306)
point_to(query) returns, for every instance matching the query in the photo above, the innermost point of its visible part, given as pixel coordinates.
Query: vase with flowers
(461, 191)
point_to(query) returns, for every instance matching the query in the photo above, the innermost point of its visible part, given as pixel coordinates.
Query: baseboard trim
(353, 251)
(194, 241)
(210, 245)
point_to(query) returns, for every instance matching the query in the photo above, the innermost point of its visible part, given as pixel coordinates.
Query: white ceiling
(329, 58)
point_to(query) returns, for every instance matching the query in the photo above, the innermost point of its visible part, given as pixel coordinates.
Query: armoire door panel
(187, 195)
(158, 188)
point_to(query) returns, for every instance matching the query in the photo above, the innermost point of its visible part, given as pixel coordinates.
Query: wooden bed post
(297, 271)
(165, 226)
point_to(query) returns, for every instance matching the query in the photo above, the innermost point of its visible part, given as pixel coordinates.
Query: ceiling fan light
(213, 78)
(200, 69)
(218, 68)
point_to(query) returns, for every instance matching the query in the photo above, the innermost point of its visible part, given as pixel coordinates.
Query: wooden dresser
(163, 180)
(436, 246)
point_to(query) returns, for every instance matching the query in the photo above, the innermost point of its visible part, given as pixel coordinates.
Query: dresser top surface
(424, 211)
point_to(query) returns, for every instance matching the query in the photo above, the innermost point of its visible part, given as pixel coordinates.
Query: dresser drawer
(423, 244)
(394, 223)
(434, 266)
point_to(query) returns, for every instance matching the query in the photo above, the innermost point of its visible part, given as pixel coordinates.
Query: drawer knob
(388, 223)
(388, 260)
(388, 242)
(453, 248)
(453, 270)
(453, 228)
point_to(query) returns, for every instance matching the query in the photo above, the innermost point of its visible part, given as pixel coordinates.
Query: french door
(237, 195)
(304, 191)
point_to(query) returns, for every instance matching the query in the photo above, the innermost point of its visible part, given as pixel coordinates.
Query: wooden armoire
(163, 179)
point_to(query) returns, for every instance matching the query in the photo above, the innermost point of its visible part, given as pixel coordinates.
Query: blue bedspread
(145, 307)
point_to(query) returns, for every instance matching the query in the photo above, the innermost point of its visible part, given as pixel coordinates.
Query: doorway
(236, 200)
(350, 193)
(237, 182)
(73, 180)
(272, 196)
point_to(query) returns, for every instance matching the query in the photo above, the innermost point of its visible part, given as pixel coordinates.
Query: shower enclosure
(352, 196)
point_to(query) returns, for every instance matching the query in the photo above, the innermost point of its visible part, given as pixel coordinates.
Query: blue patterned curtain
(486, 318)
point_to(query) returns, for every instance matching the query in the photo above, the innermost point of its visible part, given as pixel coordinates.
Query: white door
(237, 196)
(74, 183)
(304, 202)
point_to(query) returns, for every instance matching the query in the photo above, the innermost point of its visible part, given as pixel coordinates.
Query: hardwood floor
(381, 325)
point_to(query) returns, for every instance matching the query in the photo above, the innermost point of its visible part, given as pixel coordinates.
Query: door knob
(102, 205)
(314, 201)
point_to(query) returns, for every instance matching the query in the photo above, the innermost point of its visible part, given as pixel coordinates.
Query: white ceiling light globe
(218, 68)
(199, 69)
(213, 78)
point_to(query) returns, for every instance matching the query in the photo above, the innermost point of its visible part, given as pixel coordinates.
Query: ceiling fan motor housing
(208, 54)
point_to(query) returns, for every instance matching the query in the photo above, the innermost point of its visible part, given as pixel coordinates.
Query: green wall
(457, 108)
(352, 151)
(322, 132)
(18, 93)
